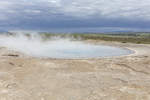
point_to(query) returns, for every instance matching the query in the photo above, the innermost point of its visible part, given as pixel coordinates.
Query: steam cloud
(55, 47)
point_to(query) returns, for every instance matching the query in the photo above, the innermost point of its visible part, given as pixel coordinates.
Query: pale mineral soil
(115, 78)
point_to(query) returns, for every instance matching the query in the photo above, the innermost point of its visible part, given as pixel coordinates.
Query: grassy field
(124, 37)
(139, 38)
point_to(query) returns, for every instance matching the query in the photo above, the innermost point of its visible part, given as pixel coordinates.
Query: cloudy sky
(84, 15)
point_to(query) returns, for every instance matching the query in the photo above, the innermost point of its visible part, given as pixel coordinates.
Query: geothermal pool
(82, 50)
(59, 48)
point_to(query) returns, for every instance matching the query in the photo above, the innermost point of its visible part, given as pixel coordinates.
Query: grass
(139, 38)
(126, 37)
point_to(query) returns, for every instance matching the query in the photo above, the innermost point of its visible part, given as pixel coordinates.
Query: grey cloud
(74, 12)
(82, 8)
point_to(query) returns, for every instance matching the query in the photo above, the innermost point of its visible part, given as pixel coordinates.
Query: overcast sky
(86, 15)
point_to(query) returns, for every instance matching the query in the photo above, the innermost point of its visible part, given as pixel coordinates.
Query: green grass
(124, 37)
(139, 38)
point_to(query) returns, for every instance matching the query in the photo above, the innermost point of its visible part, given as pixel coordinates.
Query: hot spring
(58, 47)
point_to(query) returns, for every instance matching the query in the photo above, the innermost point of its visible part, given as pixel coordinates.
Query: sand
(115, 78)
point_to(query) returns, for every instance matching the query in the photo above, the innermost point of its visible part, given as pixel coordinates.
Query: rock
(12, 55)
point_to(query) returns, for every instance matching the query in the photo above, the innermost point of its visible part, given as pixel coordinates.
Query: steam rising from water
(56, 47)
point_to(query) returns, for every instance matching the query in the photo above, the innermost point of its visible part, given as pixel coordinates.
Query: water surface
(59, 48)
(69, 50)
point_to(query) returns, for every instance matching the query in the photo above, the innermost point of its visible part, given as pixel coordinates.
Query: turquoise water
(69, 50)
(90, 51)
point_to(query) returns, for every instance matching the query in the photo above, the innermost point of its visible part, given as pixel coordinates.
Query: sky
(75, 15)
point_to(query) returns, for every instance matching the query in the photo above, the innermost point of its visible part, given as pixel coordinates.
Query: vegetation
(124, 37)
(139, 38)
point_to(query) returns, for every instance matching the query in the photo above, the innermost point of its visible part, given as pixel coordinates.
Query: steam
(35, 45)
(55, 47)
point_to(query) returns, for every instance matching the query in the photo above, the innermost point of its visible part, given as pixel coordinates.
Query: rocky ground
(116, 78)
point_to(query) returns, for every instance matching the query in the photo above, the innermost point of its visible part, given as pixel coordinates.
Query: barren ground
(115, 78)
